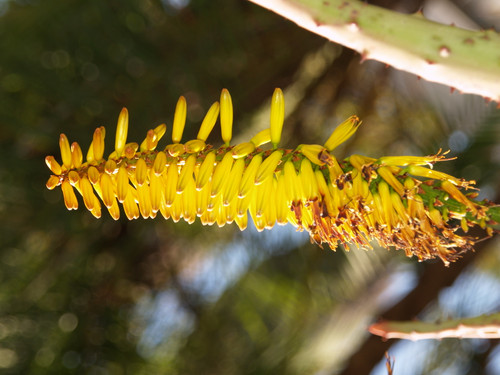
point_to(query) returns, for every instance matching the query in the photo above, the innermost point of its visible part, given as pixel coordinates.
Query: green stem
(466, 60)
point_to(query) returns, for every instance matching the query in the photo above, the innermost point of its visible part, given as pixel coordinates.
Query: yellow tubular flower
(171, 184)
(316, 154)
(144, 200)
(357, 184)
(174, 150)
(379, 211)
(160, 131)
(53, 165)
(114, 211)
(179, 120)
(233, 182)
(409, 183)
(94, 175)
(230, 209)
(399, 207)
(282, 207)
(208, 122)
(130, 150)
(65, 151)
(266, 169)
(98, 143)
(220, 174)
(408, 160)
(52, 182)
(322, 185)
(176, 209)
(292, 183)
(463, 225)
(87, 193)
(141, 172)
(226, 116)
(96, 210)
(334, 169)
(243, 203)
(110, 167)
(129, 205)
(221, 218)
(351, 201)
(122, 184)
(76, 155)
(387, 175)
(194, 146)
(156, 190)
(202, 200)
(90, 153)
(342, 132)
(121, 132)
(309, 184)
(435, 217)
(458, 196)
(248, 179)
(241, 221)
(262, 137)
(153, 137)
(69, 196)
(108, 194)
(243, 149)
(205, 171)
(262, 197)
(388, 208)
(416, 207)
(358, 161)
(277, 116)
(188, 203)
(73, 177)
(186, 174)
(159, 163)
(429, 173)
(149, 142)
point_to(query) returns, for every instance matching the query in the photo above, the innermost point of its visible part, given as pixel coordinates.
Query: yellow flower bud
(342, 132)
(243, 149)
(76, 155)
(53, 165)
(226, 116)
(121, 132)
(65, 151)
(179, 120)
(277, 116)
(208, 122)
(262, 137)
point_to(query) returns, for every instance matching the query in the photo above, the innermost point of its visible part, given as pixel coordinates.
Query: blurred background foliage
(87, 296)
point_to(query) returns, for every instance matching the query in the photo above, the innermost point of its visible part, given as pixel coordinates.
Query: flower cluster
(398, 201)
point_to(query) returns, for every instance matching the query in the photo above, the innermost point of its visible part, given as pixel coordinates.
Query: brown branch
(434, 278)
(481, 327)
(463, 59)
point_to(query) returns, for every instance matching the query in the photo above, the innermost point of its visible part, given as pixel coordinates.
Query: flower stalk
(396, 201)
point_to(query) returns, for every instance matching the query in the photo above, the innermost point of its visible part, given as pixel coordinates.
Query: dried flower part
(396, 201)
